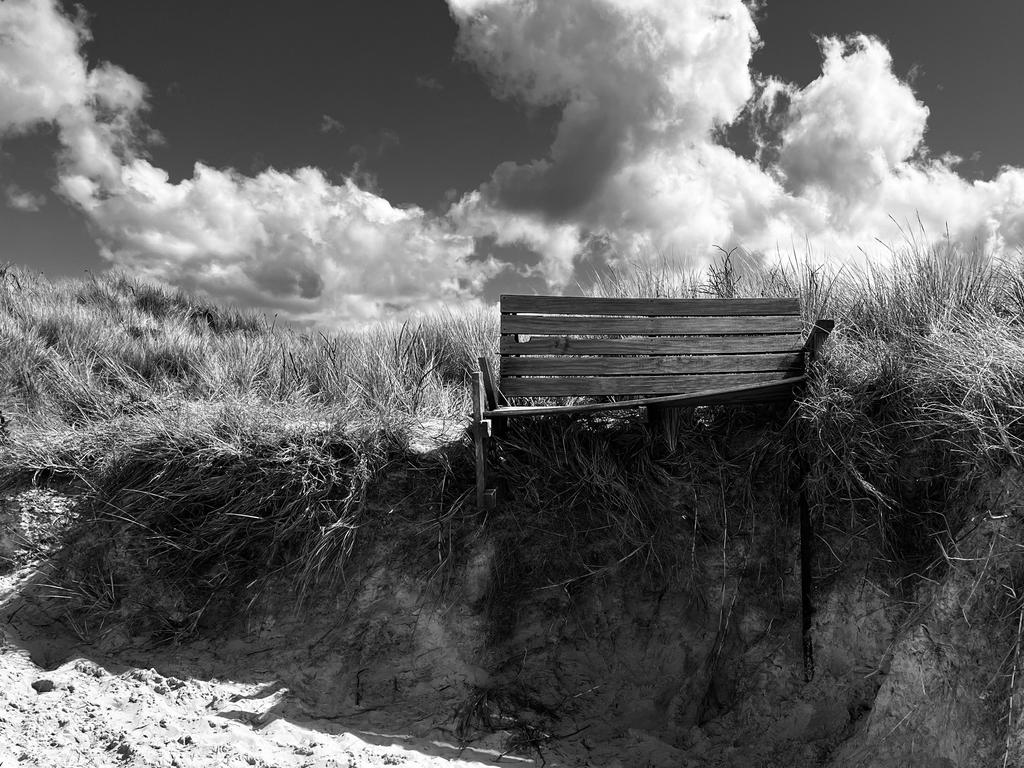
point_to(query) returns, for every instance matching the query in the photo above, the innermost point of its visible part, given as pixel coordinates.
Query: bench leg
(806, 560)
(485, 497)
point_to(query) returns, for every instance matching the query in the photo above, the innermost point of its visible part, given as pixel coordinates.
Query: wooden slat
(653, 326)
(481, 432)
(756, 393)
(645, 345)
(630, 385)
(585, 305)
(614, 366)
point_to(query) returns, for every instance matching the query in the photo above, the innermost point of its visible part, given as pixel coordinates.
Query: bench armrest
(821, 329)
(494, 397)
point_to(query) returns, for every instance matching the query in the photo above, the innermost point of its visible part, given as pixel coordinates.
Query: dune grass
(213, 450)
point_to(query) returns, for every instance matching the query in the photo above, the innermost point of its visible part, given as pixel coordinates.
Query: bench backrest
(555, 346)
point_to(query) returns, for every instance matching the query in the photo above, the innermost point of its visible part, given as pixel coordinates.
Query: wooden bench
(652, 353)
(642, 352)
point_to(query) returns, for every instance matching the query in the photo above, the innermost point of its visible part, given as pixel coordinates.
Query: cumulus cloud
(630, 75)
(290, 242)
(637, 167)
(853, 159)
(644, 88)
(838, 138)
(640, 82)
(293, 242)
(41, 72)
(23, 200)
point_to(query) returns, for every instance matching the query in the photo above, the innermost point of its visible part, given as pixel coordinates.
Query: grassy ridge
(213, 448)
(86, 348)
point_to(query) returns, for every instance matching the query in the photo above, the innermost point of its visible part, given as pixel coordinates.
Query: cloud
(637, 162)
(637, 168)
(41, 72)
(292, 242)
(289, 242)
(643, 86)
(557, 243)
(631, 76)
(44, 79)
(22, 200)
(329, 125)
(837, 138)
(852, 158)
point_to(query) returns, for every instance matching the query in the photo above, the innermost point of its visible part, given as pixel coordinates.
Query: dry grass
(213, 448)
(210, 448)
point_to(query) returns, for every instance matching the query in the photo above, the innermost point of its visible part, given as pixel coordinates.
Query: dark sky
(247, 85)
(375, 89)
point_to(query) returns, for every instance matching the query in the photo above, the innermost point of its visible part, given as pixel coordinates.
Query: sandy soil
(382, 676)
(87, 712)
(64, 702)
(621, 678)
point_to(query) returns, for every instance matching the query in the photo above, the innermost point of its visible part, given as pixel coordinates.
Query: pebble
(43, 685)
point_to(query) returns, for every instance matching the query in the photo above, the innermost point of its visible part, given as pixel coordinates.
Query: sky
(345, 162)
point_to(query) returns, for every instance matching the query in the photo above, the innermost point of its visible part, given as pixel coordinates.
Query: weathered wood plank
(481, 434)
(645, 345)
(756, 393)
(613, 366)
(822, 328)
(631, 385)
(586, 305)
(647, 326)
(488, 381)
